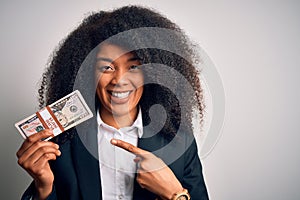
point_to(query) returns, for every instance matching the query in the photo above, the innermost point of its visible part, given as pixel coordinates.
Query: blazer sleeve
(193, 177)
(31, 191)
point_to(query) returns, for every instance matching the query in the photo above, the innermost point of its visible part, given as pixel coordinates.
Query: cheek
(101, 84)
(140, 92)
(99, 95)
(103, 81)
(140, 85)
(139, 81)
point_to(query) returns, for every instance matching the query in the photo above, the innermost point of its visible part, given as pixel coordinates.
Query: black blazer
(77, 174)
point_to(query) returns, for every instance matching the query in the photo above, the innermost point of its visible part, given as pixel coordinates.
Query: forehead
(111, 51)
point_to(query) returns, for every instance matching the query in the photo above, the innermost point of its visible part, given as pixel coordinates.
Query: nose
(120, 77)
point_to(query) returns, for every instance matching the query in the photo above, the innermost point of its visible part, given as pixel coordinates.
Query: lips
(119, 97)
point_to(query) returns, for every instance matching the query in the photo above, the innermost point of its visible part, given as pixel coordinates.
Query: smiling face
(120, 82)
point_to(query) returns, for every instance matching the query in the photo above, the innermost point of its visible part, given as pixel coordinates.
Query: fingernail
(57, 146)
(113, 141)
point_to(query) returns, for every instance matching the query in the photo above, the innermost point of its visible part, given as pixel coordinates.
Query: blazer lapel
(85, 157)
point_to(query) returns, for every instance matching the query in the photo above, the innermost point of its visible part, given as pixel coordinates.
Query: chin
(121, 111)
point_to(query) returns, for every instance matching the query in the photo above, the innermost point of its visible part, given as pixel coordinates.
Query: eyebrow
(103, 59)
(134, 58)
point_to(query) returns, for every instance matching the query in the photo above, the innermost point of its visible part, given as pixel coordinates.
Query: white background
(254, 46)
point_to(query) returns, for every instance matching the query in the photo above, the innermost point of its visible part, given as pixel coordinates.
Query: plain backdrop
(255, 47)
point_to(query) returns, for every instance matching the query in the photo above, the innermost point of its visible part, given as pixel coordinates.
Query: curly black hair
(60, 76)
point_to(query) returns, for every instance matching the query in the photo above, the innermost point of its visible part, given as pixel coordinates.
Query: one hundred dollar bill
(59, 116)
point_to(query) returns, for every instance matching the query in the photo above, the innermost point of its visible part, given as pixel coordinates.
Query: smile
(120, 95)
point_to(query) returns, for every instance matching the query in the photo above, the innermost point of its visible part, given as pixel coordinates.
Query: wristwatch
(183, 195)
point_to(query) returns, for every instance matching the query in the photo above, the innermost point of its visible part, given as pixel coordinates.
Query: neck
(118, 121)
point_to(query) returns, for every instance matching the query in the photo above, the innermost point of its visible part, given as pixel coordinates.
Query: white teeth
(120, 95)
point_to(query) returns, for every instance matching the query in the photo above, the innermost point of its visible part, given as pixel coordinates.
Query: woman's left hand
(153, 174)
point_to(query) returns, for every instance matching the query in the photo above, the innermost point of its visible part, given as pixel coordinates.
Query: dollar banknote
(59, 116)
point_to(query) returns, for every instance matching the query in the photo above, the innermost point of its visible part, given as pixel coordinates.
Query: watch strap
(182, 195)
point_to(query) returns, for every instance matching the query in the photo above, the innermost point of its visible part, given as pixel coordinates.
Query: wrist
(43, 191)
(181, 194)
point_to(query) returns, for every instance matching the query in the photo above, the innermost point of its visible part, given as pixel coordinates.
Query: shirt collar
(138, 123)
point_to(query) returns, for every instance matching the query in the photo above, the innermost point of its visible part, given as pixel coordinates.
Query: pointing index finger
(128, 147)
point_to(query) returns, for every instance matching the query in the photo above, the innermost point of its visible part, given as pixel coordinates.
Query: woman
(126, 63)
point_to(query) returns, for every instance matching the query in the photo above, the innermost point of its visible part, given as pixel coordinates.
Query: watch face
(183, 197)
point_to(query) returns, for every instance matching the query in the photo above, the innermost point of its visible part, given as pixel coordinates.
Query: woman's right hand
(34, 155)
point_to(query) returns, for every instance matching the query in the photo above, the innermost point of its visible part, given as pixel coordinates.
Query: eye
(135, 67)
(105, 68)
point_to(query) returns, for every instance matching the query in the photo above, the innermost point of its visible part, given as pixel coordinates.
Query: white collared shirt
(117, 168)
